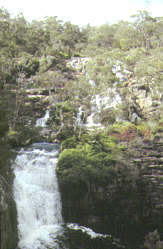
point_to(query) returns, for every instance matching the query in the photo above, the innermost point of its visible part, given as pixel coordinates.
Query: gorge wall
(8, 214)
(90, 200)
(102, 88)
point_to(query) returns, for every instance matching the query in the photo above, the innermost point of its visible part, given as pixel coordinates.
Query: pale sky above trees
(82, 12)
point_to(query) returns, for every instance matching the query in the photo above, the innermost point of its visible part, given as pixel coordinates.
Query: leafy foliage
(93, 168)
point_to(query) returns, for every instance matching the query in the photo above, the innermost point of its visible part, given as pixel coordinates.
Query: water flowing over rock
(37, 197)
(100, 102)
(87, 230)
(78, 63)
(42, 121)
(119, 69)
(79, 121)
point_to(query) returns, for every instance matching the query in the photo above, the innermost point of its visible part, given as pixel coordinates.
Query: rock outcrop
(149, 158)
(145, 98)
(8, 216)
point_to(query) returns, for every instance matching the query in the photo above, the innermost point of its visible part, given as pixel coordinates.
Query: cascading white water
(42, 121)
(79, 121)
(99, 102)
(89, 231)
(37, 197)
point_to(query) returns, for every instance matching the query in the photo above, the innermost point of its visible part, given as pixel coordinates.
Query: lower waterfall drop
(37, 197)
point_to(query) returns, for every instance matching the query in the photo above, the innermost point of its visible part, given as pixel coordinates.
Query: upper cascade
(79, 63)
(98, 103)
(42, 121)
(37, 197)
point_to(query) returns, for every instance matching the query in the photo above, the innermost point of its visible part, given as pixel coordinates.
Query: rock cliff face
(150, 160)
(141, 99)
(8, 223)
(145, 97)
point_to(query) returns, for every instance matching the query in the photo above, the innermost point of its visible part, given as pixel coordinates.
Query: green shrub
(23, 137)
(65, 133)
(69, 143)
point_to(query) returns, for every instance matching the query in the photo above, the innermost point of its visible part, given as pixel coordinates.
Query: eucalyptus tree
(145, 27)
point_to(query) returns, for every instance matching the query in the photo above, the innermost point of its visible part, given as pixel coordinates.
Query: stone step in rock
(152, 154)
(153, 159)
(159, 144)
(157, 172)
(148, 147)
(150, 161)
(156, 167)
(159, 206)
(160, 188)
(159, 177)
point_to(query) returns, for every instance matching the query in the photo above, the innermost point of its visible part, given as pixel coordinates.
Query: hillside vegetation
(67, 69)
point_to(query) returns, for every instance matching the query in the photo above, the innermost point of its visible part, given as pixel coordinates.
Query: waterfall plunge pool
(38, 200)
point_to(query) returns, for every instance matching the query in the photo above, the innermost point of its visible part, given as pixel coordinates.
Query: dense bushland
(99, 184)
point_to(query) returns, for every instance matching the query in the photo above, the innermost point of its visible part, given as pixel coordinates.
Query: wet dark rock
(8, 214)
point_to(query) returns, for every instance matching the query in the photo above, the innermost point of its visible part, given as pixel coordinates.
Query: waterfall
(109, 99)
(37, 197)
(79, 121)
(79, 63)
(42, 121)
(120, 70)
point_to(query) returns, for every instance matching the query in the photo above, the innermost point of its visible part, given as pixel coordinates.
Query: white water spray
(37, 197)
(89, 231)
(99, 102)
(42, 121)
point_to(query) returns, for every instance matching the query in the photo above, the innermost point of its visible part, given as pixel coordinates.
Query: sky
(82, 12)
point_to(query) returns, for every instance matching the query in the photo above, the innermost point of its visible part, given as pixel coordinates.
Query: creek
(37, 196)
